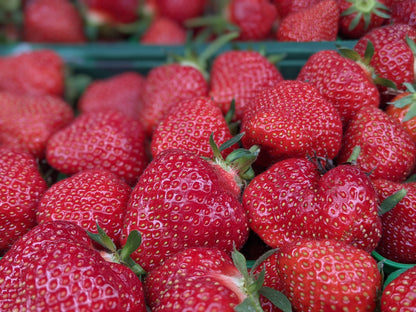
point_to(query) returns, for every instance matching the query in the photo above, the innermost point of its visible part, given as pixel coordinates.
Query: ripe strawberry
(188, 126)
(341, 81)
(21, 187)
(358, 17)
(87, 197)
(180, 10)
(285, 7)
(403, 12)
(56, 269)
(28, 121)
(164, 31)
(325, 275)
(121, 92)
(108, 140)
(293, 200)
(387, 150)
(401, 108)
(291, 119)
(38, 72)
(393, 58)
(194, 202)
(316, 23)
(239, 75)
(210, 278)
(400, 293)
(398, 225)
(110, 12)
(52, 21)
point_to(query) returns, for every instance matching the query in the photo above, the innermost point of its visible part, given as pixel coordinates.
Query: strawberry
(316, 23)
(38, 72)
(402, 107)
(56, 269)
(110, 12)
(342, 81)
(393, 58)
(398, 225)
(120, 92)
(164, 31)
(107, 139)
(326, 275)
(238, 75)
(188, 125)
(28, 121)
(291, 119)
(21, 187)
(293, 200)
(211, 280)
(285, 7)
(387, 150)
(85, 198)
(400, 293)
(359, 17)
(403, 12)
(52, 21)
(195, 203)
(180, 10)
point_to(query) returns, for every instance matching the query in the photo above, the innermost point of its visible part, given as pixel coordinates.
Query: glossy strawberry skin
(341, 204)
(27, 121)
(239, 75)
(189, 125)
(291, 119)
(399, 226)
(108, 140)
(387, 151)
(403, 12)
(165, 86)
(55, 266)
(315, 274)
(111, 12)
(204, 274)
(316, 23)
(193, 204)
(254, 18)
(164, 31)
(341, 81)
(180, 10)
(285, 7)
(400, 293)
(21, 187)
(85, 198)
(53, 21)
(38, 72)
(120, 92)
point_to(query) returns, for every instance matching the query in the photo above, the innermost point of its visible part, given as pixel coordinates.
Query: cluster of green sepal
(363, 10)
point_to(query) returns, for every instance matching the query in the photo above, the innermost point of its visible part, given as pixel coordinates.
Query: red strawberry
(110, 12)
(393, 58)
(38, 72)
(358, 17)
(52, 21)
(28, 121)
(387, 150)
(108, 140)
(188, 126)
(400, 293)
(211, 280)
(341, 81)
(56, 269)
(403, 12)
(21, 187)
(328, 276)
(164, 31)
(316, 23)
(120, 92)
(399, 226)
(193, 203)
(239, 75)
(291, 119)
(285, 7)
(86, 198)
(292, 200)
(180, 10)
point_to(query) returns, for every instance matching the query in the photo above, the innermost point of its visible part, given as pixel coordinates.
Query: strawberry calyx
(391, 201)
(408, 99)
(121, 256)
(363, 9)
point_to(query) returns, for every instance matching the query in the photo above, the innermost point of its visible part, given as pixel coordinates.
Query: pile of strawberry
(169, 21)
(148, 191)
